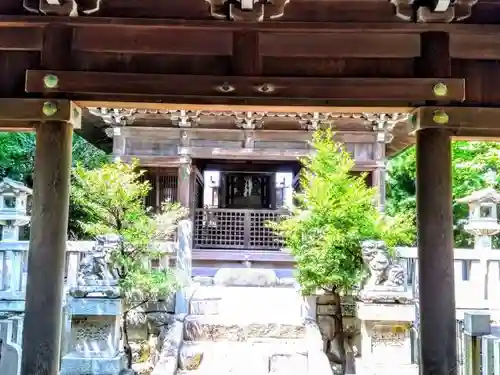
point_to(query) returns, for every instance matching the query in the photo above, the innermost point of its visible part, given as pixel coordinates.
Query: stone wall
(321, 308)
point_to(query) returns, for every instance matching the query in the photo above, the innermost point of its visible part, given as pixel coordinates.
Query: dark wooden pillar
(435, 253)
(435, 227)
(46, 260)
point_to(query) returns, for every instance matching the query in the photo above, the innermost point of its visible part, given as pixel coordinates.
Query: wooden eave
(286, 124)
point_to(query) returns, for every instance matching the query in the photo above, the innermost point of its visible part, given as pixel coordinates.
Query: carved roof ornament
(115, 116)
(249, 120)
(72, 8)
(433, 10)
(247, 10)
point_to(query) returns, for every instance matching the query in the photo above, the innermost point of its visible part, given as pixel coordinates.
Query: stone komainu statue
(383, 271)
(95, 267)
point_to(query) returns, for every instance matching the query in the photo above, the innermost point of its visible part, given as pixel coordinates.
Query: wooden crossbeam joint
(465, 122)
(71, 8)
(24, 114)
(433, 10)
(247, 10)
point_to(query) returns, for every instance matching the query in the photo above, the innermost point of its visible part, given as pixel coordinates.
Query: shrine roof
(12, 186)
(483, 195)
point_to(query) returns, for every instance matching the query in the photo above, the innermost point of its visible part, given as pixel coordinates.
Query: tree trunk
(336, 348)
(126, 344)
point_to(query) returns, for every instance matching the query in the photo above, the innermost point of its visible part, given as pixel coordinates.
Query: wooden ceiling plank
(27, 38)
(152, 41)
(155, 86)
(162, 24)
(353, 45)
(475, 46)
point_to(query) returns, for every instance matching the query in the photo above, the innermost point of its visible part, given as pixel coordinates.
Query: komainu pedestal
(92, 337)
(387, 312)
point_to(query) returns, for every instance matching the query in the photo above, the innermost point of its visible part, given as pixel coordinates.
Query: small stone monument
(95, 311)
(13, 208)
(386, 311)
(13, 215)
(482, 224)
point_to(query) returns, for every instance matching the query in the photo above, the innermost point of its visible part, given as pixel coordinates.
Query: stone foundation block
(75, 365)
(288, 364)
(246, 277)
(206, 328)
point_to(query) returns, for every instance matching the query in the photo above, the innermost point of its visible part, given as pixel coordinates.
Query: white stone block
(386, 312)
(246, 277)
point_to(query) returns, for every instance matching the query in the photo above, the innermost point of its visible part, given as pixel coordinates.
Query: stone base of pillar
(94, 342)
(10, 351)
(386, 344)
(74, 364)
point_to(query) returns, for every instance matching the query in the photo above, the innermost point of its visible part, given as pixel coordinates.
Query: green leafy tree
(471, 163)
(17, 158)
(334, 214)
(114, 197)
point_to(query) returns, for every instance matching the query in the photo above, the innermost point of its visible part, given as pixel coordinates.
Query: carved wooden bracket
(72, 8)
(115, 116)
(183, 118)
(313, 121)
(247, 10)
(249, 120)
(433, 10)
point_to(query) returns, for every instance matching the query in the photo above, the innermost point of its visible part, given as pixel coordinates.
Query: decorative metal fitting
(440, 117)
(49, 109)
(225, 87)
(440, 89)
(50, 81)
(266, 88)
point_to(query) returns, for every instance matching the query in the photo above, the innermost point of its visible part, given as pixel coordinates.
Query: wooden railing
(236, 229)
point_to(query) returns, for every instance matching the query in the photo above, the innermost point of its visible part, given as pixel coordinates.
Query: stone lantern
(13, 208)
(482, 224)
(483, 220)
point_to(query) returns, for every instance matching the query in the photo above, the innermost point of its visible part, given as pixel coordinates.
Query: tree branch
(138, 305)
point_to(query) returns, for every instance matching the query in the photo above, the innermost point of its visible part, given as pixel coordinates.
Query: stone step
(275, 304)
(249, 358)
(240, 328)
(205, 273)
(249, 277)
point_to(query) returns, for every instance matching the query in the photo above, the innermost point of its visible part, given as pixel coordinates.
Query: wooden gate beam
(24, 114)
(469, 123)
(165, 87)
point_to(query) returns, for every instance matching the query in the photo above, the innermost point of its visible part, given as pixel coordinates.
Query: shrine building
(236, 170)
(217, 99)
